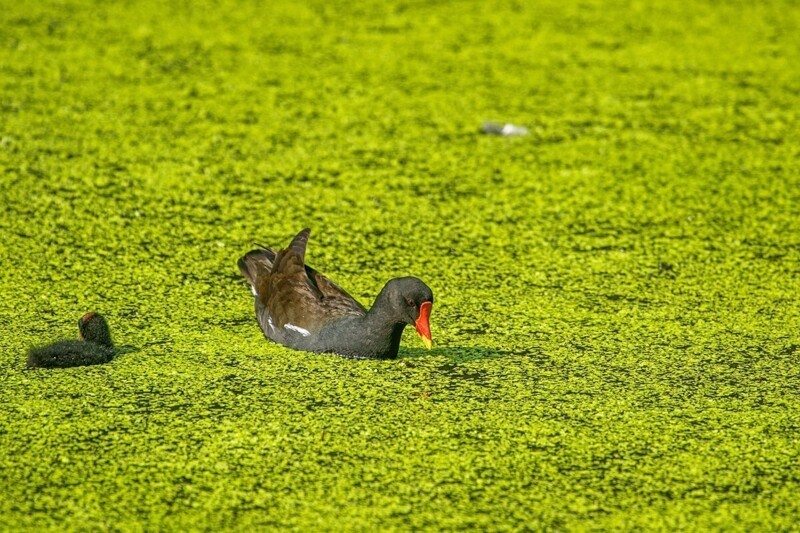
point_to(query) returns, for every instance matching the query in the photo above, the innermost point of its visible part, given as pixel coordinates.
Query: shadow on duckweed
(119, 351)
(456, 354)
(125, 350)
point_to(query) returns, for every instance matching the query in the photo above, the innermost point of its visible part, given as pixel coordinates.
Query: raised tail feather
(299, 243)
(255, 264)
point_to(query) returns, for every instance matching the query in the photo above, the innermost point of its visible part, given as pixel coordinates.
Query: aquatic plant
(616, 324)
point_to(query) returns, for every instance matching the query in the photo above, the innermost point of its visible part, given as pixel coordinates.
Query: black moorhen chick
(93, 348)
(300, 308)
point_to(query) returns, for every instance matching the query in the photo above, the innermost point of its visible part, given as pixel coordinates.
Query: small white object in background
(506, 130)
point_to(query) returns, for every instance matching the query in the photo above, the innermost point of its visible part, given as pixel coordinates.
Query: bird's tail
(256, 264)
(299, 243)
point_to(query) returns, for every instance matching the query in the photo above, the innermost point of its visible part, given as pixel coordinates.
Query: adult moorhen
(300, 308)
(93, 348)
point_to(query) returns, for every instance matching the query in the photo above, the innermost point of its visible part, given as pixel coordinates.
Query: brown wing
(295, 294)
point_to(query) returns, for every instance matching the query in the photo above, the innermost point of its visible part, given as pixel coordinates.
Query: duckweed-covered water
(617, 318)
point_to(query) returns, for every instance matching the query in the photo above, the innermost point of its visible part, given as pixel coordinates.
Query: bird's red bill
(423, 324)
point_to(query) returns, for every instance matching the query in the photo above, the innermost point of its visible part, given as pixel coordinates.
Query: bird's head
(412, 300)
(94, 328)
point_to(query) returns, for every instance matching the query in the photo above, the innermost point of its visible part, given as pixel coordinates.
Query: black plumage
(300, 308)
(93, 347)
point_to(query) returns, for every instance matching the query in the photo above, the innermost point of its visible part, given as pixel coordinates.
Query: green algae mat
(617, 318)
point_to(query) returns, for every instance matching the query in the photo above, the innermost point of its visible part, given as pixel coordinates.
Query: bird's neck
(383, 330)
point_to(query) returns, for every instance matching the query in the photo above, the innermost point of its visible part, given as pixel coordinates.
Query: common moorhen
(93, 348)
(300, 308)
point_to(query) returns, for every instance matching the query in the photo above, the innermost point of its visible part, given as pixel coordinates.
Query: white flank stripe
(301, 331)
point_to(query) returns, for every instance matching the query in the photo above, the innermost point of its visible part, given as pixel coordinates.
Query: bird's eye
(410, 303)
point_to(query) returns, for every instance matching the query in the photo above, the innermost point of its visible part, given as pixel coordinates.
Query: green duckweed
(616, 329)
